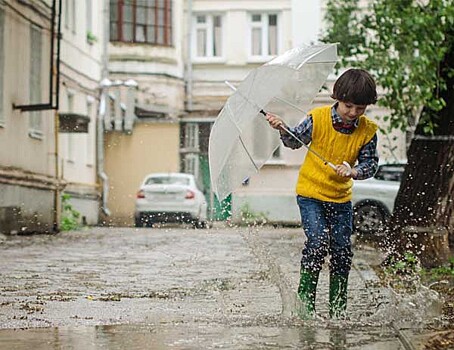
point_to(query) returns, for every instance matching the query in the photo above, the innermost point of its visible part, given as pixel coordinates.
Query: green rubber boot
(306, 291)
(337, 296)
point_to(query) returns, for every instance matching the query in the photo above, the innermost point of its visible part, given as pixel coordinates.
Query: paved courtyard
(175, 287)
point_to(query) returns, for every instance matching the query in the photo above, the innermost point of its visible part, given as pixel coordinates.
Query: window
(264, 35)
(191, 140)
(67, 13)
(208, 35)
(35, 80)
(2, 63)
(90, 134)
(71, 138)
(141, 21)
(70, 15)
(191, 145)
(191, 164)
(390, 172)
(89, 15)
(167, 180)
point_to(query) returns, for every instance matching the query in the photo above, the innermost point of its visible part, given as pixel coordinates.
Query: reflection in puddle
(183, 290)
(198, 336)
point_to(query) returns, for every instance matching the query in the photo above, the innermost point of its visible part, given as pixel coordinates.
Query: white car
(170, 197)
(373, 199)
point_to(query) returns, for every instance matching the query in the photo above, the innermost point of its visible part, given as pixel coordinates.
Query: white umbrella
(241, 140)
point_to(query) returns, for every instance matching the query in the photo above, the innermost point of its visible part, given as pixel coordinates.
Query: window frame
(209, 40)
(265, 35)
(70, 139)
(89, 16)
(70, 15)
(89, 142)
(35, 124)
(152, 23)
(191, 164)
(191, 139)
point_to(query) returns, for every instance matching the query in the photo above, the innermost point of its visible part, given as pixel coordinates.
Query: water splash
(409, 304)
(291, 304)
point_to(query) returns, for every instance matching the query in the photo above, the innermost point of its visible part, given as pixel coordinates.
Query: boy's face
(349, 112)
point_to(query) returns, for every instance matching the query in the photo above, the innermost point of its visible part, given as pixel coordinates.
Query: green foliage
(407, 265)
(91, 38)
(250, 217)
(403, 273)
(404, 43)
(70, 219)
(440, 272)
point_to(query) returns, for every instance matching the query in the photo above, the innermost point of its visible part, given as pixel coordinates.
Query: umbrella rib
(318, 62)
(232, 120)
(223, 178)
(284, 128)
(289, 103)
(248, 154)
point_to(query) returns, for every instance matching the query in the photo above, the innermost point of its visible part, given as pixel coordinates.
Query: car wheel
(138, 221)
(148, 222)
(369, 219)
(199, 224)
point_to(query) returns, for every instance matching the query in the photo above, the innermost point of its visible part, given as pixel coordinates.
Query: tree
(409, 46)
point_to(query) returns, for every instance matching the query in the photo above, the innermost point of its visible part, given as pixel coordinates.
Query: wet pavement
(179, 288)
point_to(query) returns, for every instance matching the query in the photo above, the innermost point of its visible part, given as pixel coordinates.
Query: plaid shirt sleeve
(303, 131)
(367, 160)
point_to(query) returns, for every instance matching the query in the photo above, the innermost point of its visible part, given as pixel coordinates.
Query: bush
(70, 218)
(250, 217)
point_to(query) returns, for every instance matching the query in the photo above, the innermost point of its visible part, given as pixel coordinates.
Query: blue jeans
(328, 228)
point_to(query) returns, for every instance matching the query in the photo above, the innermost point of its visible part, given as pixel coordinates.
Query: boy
(338, 133)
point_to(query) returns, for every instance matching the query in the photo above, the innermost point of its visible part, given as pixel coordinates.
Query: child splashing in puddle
(339, 132)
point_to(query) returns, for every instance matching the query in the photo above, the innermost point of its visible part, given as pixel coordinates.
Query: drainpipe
(103, 105)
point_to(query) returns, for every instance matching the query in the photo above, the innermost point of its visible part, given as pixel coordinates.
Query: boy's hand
(275, 122)
(345, 171)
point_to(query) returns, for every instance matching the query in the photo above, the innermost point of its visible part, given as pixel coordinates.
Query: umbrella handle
(331, 165)
(349, 168)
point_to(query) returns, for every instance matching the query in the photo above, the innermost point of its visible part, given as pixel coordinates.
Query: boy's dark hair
(356, 86)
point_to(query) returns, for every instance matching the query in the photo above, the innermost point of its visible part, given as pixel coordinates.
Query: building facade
(145, 47)
(226, 41)
(48, 103)
(27, 143)
(134, 89)
(80, 76)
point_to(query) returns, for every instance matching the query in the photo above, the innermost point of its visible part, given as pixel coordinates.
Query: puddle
(183, 289)
(197, 336)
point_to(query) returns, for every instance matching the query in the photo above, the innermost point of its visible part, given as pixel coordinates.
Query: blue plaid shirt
(368, 154)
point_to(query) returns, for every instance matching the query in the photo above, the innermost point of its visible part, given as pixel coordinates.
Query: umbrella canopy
(241, 141)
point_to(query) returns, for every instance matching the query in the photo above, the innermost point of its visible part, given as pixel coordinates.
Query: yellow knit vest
(317, 180)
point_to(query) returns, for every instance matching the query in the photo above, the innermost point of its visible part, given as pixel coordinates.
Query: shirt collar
(337, 120)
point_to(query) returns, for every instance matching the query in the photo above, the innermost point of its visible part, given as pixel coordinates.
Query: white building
(45, 148)
(227, 40)
(169, 59)
(80, 76)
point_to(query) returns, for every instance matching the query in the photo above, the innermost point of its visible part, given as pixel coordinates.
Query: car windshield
(167, 180)
(390, 172)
